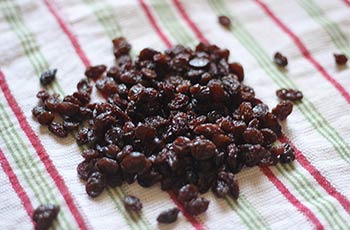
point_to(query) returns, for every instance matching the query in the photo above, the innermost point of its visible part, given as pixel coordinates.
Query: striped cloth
(37, 168)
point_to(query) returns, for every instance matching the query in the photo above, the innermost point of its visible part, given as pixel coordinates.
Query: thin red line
(291, 198)
(44, 157)
(154, 23)
(305, 163)
(306, 53)
(271, 176)
(82, 56)
(195, 223)
(190, 23)
(16, 185)
(70, 35)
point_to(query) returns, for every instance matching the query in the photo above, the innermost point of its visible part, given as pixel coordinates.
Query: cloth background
(37, 168)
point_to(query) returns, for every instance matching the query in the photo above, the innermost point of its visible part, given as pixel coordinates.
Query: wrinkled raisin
(44, 215)
(282, 110)
(132, 203)
(57, 129)
(168, 216)
(280, 60)
(289, 94)
(340, 59)
(224, 21)
(47, 77)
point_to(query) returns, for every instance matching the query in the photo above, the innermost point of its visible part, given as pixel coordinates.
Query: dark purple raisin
(282, 110)
(280, 60)
(237, 69)
(289, 94)
(132, 203)
(44, 215)
(202, 149)
(58, 129)
(197, 206)
(288, 155)
(340, 59)
(187, 193)
(47, 77)
(224, 21)
(168, 216)
(95, 184)
(94, 72)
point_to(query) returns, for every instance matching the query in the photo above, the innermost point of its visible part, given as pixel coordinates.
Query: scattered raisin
(224, 21)
(132, 203)
(280, 60)
(168, 216)
(289, 94)
(44, 216)
(47, 77)
(340, 59)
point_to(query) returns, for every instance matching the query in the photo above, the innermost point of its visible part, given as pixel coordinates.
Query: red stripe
(44, 157)
(190, 23)
(347, 2)
(306, 53)
(16, 185)
(70, 35)
(82, 56)
(291, 198)
(154, 23)
(271, 176)
(195, 223)
(317, 175)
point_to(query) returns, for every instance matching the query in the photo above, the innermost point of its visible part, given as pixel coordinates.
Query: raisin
(224, 21)
(340, 59)
(197, 206)
(95, 72)
(95, 184)
(253, 136)
(198, 62)
(121, 47)
(44, 215)
(45, 118)
(107, 166)
(168, 216)
(288, 155)
(282, 110)
(280, 60)
(202, 149)
(132, 203)
(135, 162)
(289, 94)
(58, 129)
(237, 69)
(187, 193)
(47, 77)
(84, 86)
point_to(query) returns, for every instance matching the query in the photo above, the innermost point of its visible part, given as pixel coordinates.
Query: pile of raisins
(182, 118)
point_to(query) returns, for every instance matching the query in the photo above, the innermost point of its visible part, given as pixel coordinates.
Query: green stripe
(28, 42)
(247, 213)
(176, 30)
(13, 16)
(282, 80)
(261, 57)
(180, 34)
(333, 30)
(26, 163)
(311, 195)
(105, 16)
